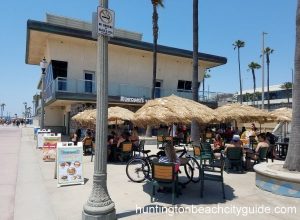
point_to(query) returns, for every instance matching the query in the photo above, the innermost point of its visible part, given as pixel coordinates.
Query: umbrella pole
(259, 127)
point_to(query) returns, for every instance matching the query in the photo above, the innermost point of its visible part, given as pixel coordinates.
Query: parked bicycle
(139, 167)
(191, 166)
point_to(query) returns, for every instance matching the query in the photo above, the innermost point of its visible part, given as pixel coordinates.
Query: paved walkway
(28, 190)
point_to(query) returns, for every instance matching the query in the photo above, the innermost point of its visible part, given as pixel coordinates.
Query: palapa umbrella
(172, 109)
(85, 118)
(115, 114)
(282, 114)
(242, 113)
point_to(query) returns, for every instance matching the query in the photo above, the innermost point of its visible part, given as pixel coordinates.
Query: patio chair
(164, 175)
(257, 157)
(161, 139)
(206, 153)
(126, 150)
(87, 145)
(262, 155)
(213, 172)
(234, 158)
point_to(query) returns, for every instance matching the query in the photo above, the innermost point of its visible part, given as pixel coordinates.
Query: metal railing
(77, 86)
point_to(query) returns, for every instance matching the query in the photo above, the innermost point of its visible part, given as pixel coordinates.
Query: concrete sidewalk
(37, 195)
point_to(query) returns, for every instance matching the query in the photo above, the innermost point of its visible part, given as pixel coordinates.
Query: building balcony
(85, 90)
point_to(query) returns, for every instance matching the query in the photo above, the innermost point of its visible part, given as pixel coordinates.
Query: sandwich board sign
(49, 146)
(69, 164)
(106, 21)
(40, 137)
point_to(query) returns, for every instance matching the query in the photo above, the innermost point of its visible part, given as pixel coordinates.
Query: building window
(184, 85)
(89, 81)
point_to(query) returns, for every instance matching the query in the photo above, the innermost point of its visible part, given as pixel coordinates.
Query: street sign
(106, 21)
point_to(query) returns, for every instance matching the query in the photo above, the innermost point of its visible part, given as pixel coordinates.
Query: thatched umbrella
(172, 109)
(115, 114)
(242, 113)
(85, 118)
(282, 114)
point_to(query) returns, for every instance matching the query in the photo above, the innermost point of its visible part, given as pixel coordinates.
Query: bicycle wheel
(186, 176)
(196, 168)
(137, 170)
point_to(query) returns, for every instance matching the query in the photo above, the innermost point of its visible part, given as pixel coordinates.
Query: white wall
(126, 65)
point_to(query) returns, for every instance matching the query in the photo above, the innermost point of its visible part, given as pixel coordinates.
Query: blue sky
(221, 22)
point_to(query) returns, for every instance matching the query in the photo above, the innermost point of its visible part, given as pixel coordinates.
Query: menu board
(40, 137)
(69, 164)
(50, 145)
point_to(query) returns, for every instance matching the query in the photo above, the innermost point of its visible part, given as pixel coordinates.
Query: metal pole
(42, 125)
(99, 204)
(263, 72)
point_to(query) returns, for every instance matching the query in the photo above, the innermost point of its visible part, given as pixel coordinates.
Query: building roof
(259, 89)
(50, 28)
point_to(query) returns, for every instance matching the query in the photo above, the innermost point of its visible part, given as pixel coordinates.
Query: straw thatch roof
(116, 115)
(282, 114)
(243, 113)
(172, 109)
(85, 118)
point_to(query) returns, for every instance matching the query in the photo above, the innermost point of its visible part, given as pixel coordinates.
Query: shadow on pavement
(191, 194)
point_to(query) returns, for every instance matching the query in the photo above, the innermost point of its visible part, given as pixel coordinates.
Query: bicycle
(138, 168)
(191, 165)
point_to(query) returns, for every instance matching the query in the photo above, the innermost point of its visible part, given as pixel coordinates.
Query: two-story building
(70, 50)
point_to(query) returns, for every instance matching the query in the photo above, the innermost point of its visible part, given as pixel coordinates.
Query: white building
(279, 97)
(70, 50)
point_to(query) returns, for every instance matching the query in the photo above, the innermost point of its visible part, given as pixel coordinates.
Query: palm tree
(2, 109)
(155, 4)
(206, 76)
(253, 66)
(267, 52)
(292, 161)
(287, 86)
(195, 134)
(239, 44)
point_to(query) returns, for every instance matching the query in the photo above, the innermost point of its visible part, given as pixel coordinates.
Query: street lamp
(99, 204)
(25, 112)
(43, 65)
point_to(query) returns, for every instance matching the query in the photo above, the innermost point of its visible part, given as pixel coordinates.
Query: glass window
(180, 84)
(188, 85)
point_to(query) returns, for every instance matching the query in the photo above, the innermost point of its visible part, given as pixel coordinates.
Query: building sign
(49, 146)
(69, 164)
(134, 100)
(106, 21)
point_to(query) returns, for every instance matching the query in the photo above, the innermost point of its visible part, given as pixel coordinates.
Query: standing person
(78, 133)
(74, 138)
(173, 130)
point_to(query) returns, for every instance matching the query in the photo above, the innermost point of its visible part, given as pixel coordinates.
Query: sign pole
(99, 204)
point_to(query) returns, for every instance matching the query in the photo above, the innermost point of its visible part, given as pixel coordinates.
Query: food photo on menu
(70, 172)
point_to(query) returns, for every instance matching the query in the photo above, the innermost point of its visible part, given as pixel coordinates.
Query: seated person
(134, 138)
(170, 157)
(87, 142)
(218, 144)
(110, 141)
(262, 142)
(124, 138)
(235, 142)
